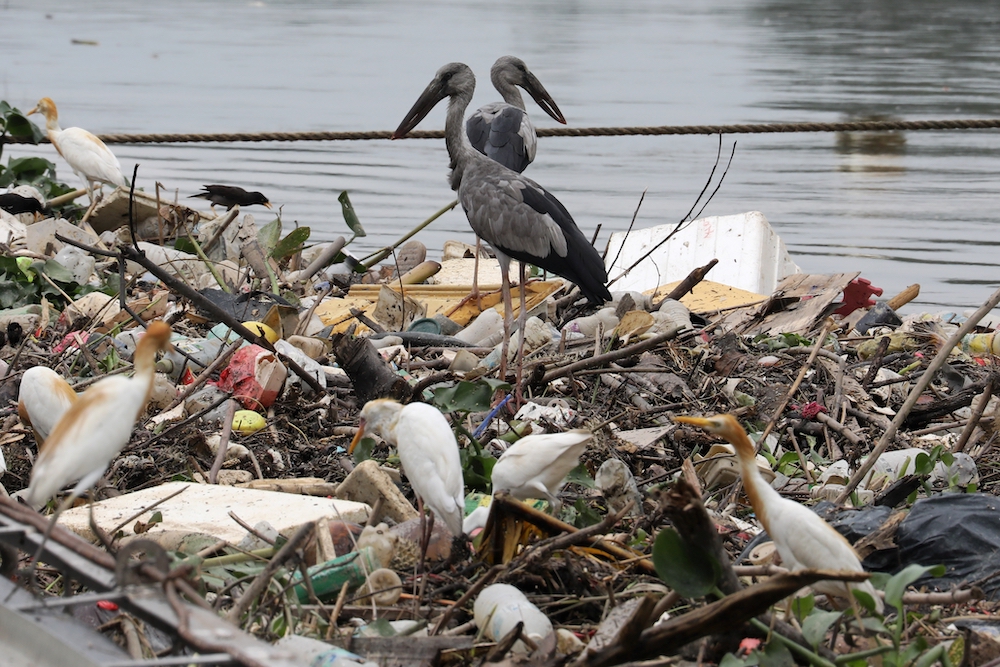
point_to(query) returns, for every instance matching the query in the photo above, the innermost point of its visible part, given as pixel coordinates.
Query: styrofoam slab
(751, 254)
(204, 508)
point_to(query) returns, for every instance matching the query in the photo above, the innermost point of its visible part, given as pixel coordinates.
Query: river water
(915, 207)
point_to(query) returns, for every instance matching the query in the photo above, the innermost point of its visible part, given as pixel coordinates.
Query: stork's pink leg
(507, 321)
(522, 319)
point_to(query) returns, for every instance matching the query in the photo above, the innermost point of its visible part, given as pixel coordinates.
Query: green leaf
(468, 396)
(22, 128)
(816, 625)
(580, 475)
(350, 217)
(291, 244)
(584, 514)
(897, 584)
(55, 271)
(865, 599)
(363, 450)
(29, 168)
(477, 470)
(268, 235)
(803, 606)
(730, 660)
(776, 654)
(687, 568)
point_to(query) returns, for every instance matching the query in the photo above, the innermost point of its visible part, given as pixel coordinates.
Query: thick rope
(760, 128)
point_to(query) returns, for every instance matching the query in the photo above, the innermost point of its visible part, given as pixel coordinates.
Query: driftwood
(370, 374)
(732, 610)
(922, 415)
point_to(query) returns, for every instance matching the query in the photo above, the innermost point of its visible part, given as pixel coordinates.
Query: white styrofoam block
(204, 508)
(751, 254)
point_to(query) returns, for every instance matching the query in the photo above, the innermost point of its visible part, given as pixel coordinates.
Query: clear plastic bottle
(500, 607)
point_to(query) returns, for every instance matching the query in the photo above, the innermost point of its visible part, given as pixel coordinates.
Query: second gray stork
(502, 130)
(519, 218)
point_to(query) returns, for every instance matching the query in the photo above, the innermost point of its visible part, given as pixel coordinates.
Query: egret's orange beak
(357, 437)
(701, 422)
(35, 110)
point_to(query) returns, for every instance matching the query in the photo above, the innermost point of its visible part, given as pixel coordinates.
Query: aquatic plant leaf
(686, 568)
(350, 217)
(292, 243)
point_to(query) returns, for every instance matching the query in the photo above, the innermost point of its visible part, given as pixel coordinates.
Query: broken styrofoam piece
(368, 483)
(557, 412)
(751, 254)
(205, 508)
(184, 266)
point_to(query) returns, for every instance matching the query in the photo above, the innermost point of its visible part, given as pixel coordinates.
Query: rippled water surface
(916, 207)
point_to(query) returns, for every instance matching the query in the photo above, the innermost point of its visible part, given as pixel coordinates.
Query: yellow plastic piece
(262, 329)
(248, 422)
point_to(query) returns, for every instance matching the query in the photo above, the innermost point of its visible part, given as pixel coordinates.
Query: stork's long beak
(542, 98)
(428, 99)
(357, 437)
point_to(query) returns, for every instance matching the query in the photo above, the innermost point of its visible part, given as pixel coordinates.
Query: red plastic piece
(107, 605)
(858, 295)
(748, 645)
(253, 376)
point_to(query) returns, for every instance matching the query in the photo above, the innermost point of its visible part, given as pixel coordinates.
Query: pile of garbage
(239, 475)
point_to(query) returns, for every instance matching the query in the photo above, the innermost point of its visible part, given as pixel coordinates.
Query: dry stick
(918, 389)
(832, 423)
(624, 352)
(227, 220)
(688, 284)
(876, 361)
(738, 486)
(227, 431)
(221, 315)
(264, 578)
(203, 376)
(977, 413)
(473, 589)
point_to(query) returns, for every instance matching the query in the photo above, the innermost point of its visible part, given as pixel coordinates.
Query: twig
(227, 431)
(264, 578)
(623, 353)
(918, 389)
(473, 590)
(977, 413)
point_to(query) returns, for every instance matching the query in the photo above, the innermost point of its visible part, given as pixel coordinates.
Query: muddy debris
(884, 422)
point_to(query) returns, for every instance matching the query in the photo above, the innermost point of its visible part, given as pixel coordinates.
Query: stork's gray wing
(524, 221)
(503, 133)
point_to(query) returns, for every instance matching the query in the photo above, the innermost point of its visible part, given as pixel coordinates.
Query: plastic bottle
(980, 345)
(329, 577)
(500, 607)
(488, 324)
(202, 350)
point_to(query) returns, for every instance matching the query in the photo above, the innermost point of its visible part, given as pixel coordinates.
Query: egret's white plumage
(536, 465)
(803, 539)
(427, 450)
(85, 153)
(97, 425)
(42, 399)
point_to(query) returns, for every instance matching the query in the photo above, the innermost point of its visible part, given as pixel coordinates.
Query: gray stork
(519, 218)
(502, 130)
